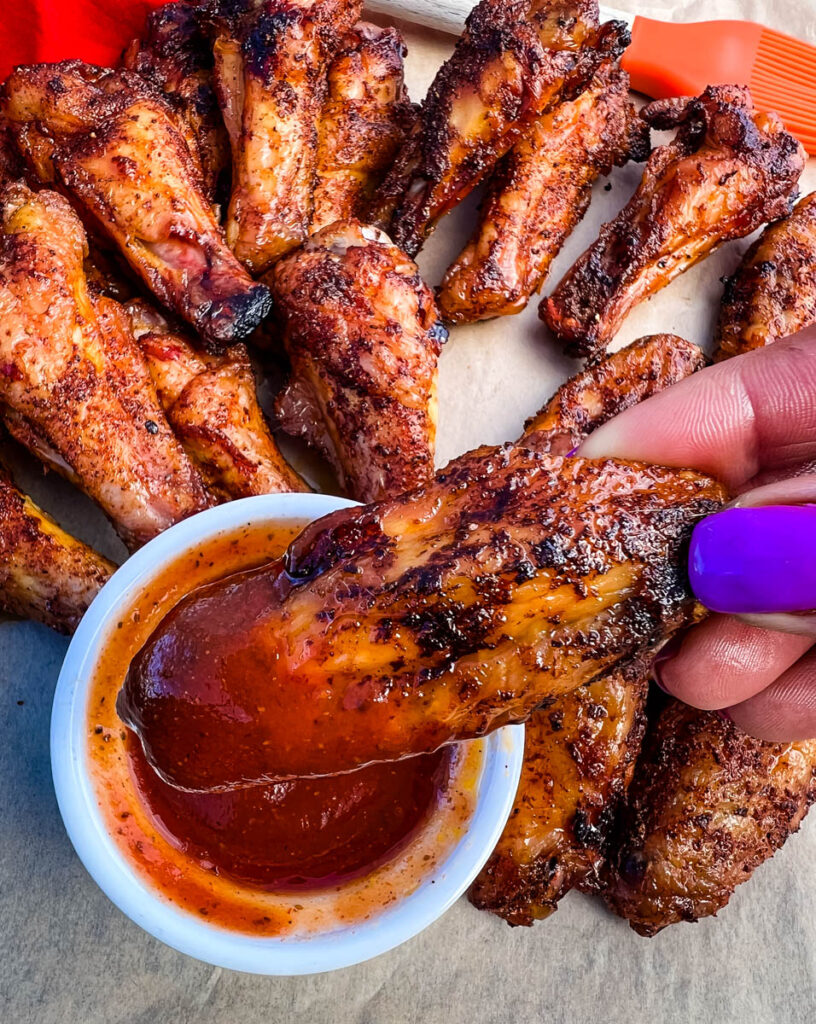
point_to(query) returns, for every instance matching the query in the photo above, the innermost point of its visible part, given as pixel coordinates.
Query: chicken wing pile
(250, 187)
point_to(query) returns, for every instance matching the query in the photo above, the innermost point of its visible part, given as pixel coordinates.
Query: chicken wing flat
(707, 806)
(394, 628)
(729, 169)
(75, 378)
(176, 55)
(45, 574)
(365, 120)
(116, 147)
(363, 337)
(538, 194)
(515, 60)
(212, 405)
(579, 755)
(773, 292)
(271, 58)
(617, 382)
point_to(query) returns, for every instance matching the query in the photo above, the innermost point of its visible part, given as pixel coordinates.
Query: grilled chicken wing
(271, 59)
(707, 806)
(579, 755)
(539, 192)
(729, 169)
(514, 61)
(363, 337)
(74, 380)
(773, 292)
(365, 120)
(600, 392)
(212, 405)
(394, 628)
(117, 149)
(45, 574)
(177, 56)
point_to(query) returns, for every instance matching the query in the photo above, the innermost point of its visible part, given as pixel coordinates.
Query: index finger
(733, 420)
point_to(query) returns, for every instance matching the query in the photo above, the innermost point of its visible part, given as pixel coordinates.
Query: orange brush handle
(667, 59)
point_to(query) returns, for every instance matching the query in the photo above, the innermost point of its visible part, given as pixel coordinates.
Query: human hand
(750, 422)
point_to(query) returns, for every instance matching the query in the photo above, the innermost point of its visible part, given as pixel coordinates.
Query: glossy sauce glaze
(341, 847)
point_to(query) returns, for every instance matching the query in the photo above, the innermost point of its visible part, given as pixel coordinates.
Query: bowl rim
(132, 893)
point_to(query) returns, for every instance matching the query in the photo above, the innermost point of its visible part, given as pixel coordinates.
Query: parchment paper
(67, 955)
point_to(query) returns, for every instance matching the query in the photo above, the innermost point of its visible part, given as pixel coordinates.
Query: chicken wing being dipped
(707, 806)
(515, 60)
(271, 59)
(394, 628)
(117, 149)
(45, 574)
(212, 405)
(729, 169)
(176, 55)
(74, 382)
(772, 294)
(538, 194)
(365, 119)
(363, 337)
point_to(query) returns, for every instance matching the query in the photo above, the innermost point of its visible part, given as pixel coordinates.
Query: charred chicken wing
(539, 192)
(177, 56)
(394, 628)
(73, 379)
(515, 60)
(708, 805)
(773, 292)
(212, 405)
(729, 169)
(271, 59)
(363, 336)
(364, 122)
(118, 150)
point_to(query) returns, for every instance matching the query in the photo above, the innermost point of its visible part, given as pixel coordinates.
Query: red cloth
(46, 30)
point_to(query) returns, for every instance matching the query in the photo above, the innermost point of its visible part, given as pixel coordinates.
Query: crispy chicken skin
(117, 148)
(176, 55)
(579, 755)
(271, 59)
(728, 170)
(772, 294)
(45, 574)
(363, 336)
(707, 806)
(515, 60)
(538, 194)
(212, 405)
(394, 628)
(74, 380)
(365, 119)
(599, 393)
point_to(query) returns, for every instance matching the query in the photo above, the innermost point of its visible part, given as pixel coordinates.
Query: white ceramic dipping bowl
(133, 892)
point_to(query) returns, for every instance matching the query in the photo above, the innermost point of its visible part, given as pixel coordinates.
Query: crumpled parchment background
(67, 956)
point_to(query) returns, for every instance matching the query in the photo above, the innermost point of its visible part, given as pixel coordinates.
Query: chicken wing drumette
(515, 60)
(363, 336)
(176, 55)
(773, 292)
(707, 806)
(729, 169)
(537, 195)
(271, 59)
(75, 387)
(117, 148)
(365, 120)
(212, 405)
(45, 574)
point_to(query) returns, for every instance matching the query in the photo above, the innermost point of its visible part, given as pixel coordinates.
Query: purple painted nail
(756, 560)
(571, 453)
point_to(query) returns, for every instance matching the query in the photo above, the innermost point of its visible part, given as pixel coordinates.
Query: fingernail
(665, 654)
(571, 453)
(756, 560)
